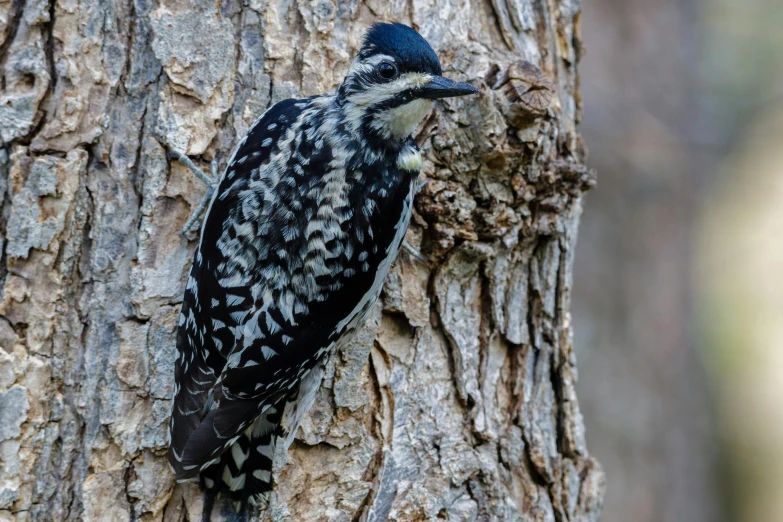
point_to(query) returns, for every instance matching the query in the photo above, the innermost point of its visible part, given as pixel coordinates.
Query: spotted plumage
(298, 238)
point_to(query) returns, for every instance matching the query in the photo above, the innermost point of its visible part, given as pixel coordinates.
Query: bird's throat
(398, 123)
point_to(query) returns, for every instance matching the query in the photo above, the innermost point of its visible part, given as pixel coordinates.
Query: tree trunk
(456, 402)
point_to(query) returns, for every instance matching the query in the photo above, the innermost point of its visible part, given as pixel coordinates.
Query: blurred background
(678, 303)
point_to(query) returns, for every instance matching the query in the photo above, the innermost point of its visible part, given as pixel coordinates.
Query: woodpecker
(299, 235)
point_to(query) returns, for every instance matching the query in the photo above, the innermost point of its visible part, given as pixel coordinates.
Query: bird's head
(391, 85)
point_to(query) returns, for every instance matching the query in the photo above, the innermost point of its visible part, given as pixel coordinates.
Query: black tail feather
(243, 475)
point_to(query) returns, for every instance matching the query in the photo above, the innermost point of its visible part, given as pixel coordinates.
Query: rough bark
(456, 402)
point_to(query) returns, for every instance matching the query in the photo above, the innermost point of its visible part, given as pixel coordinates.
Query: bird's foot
(421, 184)
(210, 181)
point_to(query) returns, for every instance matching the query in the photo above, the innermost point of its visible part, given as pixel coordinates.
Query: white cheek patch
(395, 123)
(380, 92)
(400, 122)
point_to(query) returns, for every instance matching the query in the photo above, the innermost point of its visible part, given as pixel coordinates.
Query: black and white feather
(298, 238)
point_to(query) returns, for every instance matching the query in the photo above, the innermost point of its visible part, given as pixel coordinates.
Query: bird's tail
(243, 475)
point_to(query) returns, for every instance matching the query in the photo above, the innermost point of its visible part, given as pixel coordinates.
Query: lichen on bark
(455, 402)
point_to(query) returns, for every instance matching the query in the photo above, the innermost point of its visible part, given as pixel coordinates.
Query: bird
(299, 234)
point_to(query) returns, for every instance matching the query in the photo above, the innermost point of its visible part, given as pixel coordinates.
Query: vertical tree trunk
(456, 402)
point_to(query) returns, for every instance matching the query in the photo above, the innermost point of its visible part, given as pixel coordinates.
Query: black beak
(440, 87)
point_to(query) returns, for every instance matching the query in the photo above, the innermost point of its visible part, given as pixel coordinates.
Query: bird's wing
(212, 313)
(286, 260)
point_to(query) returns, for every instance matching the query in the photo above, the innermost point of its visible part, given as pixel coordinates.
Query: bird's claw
(210, 181)
(413, 252)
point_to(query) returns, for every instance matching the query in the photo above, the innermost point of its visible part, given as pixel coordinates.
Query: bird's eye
(386, 70)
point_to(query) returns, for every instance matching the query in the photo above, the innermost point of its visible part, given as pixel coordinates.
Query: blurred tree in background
(739, 266)
(675, 305)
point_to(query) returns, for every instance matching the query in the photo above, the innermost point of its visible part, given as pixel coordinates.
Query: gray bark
(456, 402)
